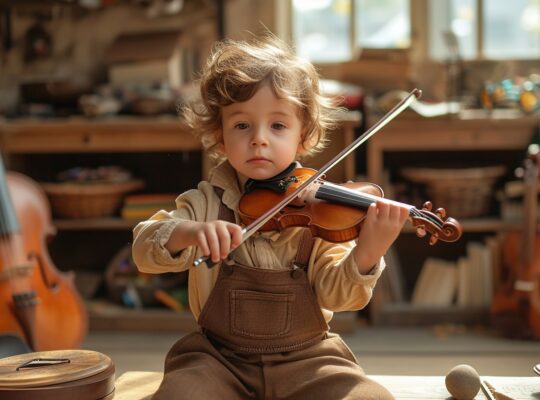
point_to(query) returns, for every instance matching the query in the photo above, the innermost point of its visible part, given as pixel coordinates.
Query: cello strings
(6, 252)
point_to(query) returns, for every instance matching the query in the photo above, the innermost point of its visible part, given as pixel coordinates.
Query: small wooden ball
(463, 382)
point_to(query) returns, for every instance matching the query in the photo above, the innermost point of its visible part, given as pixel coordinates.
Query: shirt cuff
(161, 254)
(351, 270)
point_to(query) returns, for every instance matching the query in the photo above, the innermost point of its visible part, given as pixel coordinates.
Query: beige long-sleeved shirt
(332, 270)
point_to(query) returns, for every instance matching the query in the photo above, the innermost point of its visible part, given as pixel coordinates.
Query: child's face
(262, 135)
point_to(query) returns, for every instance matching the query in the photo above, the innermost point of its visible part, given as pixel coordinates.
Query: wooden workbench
(137, 134)
(464, 132)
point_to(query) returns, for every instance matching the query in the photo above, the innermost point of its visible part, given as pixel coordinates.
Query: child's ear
(301, 150)
(220, 146)
(304, 146)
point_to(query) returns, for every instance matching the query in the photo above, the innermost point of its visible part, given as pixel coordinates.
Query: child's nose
(259, 137)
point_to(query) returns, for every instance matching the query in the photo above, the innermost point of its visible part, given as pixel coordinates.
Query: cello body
(38, 303)
(516, 305)
(515, 310)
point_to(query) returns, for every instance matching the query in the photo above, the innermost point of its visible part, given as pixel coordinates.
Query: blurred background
(89, 98)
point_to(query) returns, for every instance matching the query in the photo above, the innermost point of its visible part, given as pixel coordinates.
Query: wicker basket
(464, 192)
(92, 200)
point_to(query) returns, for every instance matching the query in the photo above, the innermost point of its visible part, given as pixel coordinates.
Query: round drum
(57, 375)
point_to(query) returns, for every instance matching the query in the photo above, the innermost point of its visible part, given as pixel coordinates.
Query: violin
(38, 304)
(440, 229)
(335, 212)
(515, 309)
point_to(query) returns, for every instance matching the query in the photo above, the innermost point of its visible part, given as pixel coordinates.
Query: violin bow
(249, 230)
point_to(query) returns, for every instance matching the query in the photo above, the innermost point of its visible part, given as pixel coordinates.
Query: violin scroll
(437, 223)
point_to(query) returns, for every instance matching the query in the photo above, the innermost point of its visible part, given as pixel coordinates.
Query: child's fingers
(203, 243)
(236, 235)
(383, 209)
(398, 213)
(403, 214)
(224, 240)
(371, 212)
(213, 242)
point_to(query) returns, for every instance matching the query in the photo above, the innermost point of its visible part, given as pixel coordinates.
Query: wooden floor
(380, 351)
(411, 362)
(140, 385)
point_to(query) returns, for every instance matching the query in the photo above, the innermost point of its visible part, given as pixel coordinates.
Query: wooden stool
(57, 375)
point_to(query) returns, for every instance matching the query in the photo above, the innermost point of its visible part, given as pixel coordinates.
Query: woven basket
(463, 192)
(93, 200)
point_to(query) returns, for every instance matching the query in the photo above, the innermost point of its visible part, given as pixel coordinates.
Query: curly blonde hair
(234, 72)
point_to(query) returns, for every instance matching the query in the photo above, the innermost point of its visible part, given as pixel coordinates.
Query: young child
(263, 309)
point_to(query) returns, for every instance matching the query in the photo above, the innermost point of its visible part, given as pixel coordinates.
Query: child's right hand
(216, 239)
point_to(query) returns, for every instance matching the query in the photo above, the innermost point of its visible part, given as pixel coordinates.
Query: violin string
(338, 194)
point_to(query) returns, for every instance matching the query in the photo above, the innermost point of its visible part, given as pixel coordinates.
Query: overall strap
(225, 213)
(306, 241)
(304, 249)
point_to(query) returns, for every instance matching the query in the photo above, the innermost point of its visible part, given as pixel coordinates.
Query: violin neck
(342, 195)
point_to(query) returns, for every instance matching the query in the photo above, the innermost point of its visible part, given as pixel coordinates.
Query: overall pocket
(261, 315)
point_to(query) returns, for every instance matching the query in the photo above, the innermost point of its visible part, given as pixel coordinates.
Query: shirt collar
(225, 177)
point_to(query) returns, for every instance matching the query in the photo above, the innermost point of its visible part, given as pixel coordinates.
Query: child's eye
(278, 126)
(241, 125)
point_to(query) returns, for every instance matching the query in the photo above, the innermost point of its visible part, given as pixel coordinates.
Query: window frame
(420, 33)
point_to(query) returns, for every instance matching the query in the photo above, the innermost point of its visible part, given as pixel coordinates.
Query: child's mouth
(258, 160)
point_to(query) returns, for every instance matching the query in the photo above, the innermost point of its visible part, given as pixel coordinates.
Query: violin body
(37, 302)
(334, 212)
(346, 221)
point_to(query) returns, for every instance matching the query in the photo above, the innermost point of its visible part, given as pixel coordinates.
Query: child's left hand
(380, 229)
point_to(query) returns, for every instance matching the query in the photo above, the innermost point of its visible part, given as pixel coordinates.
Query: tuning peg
(433, 239)
(427, 206)
(421, 231)
(441, 213)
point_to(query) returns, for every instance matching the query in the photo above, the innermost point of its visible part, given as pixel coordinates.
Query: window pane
(511, 31)
(383, 23)
(321, 29)
(449, 20)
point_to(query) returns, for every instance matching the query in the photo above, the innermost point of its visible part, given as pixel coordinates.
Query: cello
(38, 303)
(515, 309)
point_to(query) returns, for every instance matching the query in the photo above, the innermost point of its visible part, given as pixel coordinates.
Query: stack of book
(468, 282)
(143, 206)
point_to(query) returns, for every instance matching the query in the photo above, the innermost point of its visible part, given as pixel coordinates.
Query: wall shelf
(95, 224)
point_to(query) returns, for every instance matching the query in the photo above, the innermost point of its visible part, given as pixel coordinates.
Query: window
(490, 29)
(382, 24)
(335, 30)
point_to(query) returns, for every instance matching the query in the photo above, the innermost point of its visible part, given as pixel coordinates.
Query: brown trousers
(196, 368)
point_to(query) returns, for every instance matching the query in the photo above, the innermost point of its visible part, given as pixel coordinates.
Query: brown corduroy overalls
(263, 336)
